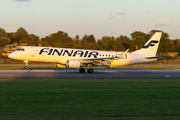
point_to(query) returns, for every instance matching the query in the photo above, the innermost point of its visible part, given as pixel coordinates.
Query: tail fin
(150, 48)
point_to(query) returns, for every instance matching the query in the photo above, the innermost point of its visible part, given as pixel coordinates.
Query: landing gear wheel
(25, 67)
(90, 70)
(26, 64)
(82, 70)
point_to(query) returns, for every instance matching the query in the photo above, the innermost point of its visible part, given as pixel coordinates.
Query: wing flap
(99, 60)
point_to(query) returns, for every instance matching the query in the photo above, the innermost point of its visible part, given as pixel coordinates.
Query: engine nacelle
(74, 64)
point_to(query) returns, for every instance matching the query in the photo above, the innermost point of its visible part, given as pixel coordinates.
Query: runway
(98, 73)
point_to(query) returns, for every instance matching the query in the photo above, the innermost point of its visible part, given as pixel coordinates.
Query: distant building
(1, 49)
(173, 54)
(8, 49)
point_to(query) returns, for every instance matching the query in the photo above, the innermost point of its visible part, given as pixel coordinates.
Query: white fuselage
(61, 55)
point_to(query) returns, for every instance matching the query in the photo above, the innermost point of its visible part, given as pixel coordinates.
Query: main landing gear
(26, 64)
(82, 70)
(90, 70)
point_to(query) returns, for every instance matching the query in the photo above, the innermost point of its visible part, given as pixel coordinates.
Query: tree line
(109, 43)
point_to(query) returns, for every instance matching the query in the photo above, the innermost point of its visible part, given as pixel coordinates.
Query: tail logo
(151, 43)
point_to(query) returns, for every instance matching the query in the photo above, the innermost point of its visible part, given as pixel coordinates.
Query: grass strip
(89, 99)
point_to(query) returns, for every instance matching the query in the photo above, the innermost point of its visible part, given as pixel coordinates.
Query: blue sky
(97, 17)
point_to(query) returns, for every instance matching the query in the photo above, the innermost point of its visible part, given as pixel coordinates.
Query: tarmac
(98, 73)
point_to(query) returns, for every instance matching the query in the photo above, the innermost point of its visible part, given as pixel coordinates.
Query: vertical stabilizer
(150, 48)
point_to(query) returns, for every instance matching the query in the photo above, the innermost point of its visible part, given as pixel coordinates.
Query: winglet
(123, 54)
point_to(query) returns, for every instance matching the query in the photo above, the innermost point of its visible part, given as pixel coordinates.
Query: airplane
(80, 58)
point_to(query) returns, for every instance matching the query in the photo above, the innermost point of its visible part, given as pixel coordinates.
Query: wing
(97, 60)
(104, 60)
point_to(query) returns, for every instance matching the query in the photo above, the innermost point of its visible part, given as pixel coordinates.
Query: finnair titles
(72, 53)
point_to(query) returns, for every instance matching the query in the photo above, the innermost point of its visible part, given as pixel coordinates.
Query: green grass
(89, 99)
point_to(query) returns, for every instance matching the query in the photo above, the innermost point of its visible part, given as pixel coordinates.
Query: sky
(86, 17)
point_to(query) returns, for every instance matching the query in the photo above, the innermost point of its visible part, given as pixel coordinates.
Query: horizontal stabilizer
(158, 57)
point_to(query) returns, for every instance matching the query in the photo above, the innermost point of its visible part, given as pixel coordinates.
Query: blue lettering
(78, 53)
(86, 53)
(50, 51)
(42, 50)
(151, 43)
(56, 51)
(69, 54)
(95, 54)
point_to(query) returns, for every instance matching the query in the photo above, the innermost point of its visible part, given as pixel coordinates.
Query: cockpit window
(21, 49)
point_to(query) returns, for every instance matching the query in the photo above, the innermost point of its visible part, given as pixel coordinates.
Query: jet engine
(74, 64)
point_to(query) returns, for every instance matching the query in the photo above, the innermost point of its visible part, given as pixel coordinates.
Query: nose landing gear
(26, 64)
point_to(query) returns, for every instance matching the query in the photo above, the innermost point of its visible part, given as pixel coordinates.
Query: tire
(25, 67)
(82, 70)
(90, 70)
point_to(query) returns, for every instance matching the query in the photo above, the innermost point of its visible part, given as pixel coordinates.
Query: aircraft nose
(11, 55)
